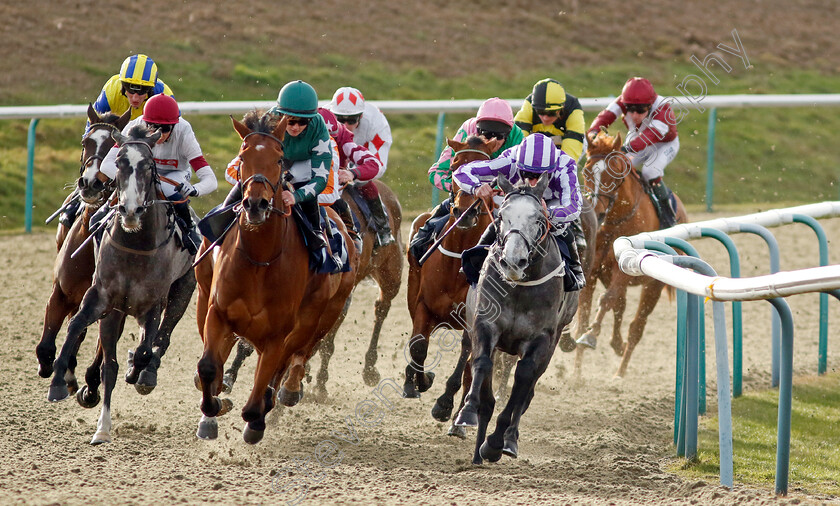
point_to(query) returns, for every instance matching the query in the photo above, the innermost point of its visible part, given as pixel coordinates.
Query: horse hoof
(489, 453)
(72, 386)
(289, 398)
(511, 449)
(227, 383)
(441, 412)
(427, 384)
(225, 405)
(319, 393)
(467, 417)
(146, 382)
(252, 436)
(459, 432)
(58, 393)
(587, 340)
(567, 344)
(410, 392)
(208, 428)
(87, 398)
(100, 437)
(618, 347)
(371, 376)
(131, 376)
(45, 362)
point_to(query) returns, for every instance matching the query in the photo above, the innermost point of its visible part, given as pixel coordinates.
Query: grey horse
(518, 307)
(140, 270)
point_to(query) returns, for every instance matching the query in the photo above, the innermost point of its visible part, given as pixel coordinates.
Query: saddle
(333, 260)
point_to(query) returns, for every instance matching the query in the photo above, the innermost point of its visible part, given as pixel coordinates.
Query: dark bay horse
(140, 270)
(72, 276)
(260, 287)
(624, 209)
(437, 290)
(518, 307)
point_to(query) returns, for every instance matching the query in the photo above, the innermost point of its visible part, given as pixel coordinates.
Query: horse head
(261, 170)
(522, 226)
(605, 170)
(136, 175)
(475, 148)
(96, 143)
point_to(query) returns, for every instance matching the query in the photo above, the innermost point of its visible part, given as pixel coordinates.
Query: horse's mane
(474, 142)
(139, 131)
(109, 118)
(601, 144)
(258, 120)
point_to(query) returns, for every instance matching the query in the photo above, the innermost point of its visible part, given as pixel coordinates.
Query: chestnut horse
(72, 276)
(437, 290)
(624, 209)
(385, 266)
(260, 287)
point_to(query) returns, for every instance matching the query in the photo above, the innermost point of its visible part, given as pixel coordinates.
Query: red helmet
(330, 120)
(162, 110)
(638, 90)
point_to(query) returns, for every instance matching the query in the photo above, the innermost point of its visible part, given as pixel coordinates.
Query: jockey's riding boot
(68, 215)
(190, 236)
(423, 237)
(343, 210)
(580, 237)
(235, 195)
(667, 216)
(312, 212)
(380, 221)
(488, 237)
(574, 279)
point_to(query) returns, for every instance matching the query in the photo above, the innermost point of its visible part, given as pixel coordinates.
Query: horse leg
(58, 307)
(590, 337)
(485, 412)
(88, 395)
(292, 390)
(416, 380)
(326, 349)
(503, 365)
(108, 336)
(92, 307)
(442, 409)
(269, 363)
(70, 375)
(466, 382)
(142, 357)
(617, 342)
(243, 351)
(180, 293)
(388, 279)
(647, 302)
(217, 346)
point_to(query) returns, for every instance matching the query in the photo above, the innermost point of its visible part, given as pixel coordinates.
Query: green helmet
(297, 98)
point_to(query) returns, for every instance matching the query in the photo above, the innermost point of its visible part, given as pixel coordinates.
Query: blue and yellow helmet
(139, 70)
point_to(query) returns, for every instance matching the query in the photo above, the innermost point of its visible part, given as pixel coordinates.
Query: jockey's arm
(572, 143)
(474, 175)
(524, 119)
(109, 163)
(604, 119)
(207, 182)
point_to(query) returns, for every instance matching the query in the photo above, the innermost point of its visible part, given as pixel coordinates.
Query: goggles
(487, 134)
(550, 114)
(349, 120)
(162, 128)
(638, 108)
(136, 89)
(299, 122)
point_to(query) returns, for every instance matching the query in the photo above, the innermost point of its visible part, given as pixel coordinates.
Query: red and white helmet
(347, 101)
(162, 110)
(495, 109)
(638, 90)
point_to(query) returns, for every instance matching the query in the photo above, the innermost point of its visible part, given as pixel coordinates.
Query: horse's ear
(240, 127)
(617, 142)
(455, 145)
(504, 184)
(124, 119)
(152, 139)
(93, 117)
(542, 184)
(118, 137)
(495, 144)
(280, 129)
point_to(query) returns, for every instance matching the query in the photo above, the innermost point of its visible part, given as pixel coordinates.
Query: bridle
(613, 194)
(456, 212)
(86, 162)
(529, 243)
(261, 179)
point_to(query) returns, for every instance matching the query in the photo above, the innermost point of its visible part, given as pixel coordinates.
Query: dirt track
(603, 441)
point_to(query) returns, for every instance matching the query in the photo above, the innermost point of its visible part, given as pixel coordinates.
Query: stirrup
(383, 238)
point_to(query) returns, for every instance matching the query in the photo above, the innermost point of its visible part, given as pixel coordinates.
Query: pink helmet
(638, 90)
(495, 109)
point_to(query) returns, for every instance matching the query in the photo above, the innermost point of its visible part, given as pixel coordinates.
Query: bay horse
(260, 287)
(140, 271)
(518, 307)
(437, 289)
(72, 276)
(624, 209)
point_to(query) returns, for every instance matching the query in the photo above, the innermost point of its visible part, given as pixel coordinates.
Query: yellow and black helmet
(139, 70)
(547, 95)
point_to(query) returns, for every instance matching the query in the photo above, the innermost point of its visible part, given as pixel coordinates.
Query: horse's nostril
(522, 263)
(98, 185)
(121, 209)
(140, 210)
(246, 204)
(81, 183)
(263, 205)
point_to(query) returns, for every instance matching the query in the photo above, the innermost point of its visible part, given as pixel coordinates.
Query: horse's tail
(670, 291)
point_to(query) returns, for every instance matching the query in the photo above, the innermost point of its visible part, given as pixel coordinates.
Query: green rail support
(822, 361)
(737, 325)
(30, 173)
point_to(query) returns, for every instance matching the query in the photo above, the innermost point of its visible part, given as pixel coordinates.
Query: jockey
(370, 130)
(131, 88)
(535, 155)
(652, 140)
(551, 111)
(493, 121)
(177, 155)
